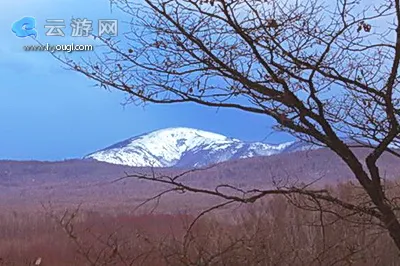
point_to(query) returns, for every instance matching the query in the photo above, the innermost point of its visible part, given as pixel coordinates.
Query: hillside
(91, 182)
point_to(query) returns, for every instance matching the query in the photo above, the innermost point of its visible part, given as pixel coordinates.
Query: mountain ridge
(186, 147)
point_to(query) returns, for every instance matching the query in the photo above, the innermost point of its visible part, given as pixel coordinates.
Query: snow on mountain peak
(181, 147)
(182, 138)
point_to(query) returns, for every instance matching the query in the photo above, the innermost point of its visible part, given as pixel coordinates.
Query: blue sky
(48, 113)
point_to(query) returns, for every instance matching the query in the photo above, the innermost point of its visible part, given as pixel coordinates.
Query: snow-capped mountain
(185, 147)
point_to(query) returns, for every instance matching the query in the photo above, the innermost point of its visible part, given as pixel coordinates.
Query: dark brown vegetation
(276, 231)
(109, 230)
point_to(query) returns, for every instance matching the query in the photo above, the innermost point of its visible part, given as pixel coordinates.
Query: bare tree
(323, 70)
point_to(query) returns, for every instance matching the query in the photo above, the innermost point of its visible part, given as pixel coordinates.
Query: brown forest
(277, 231)
(74, 213)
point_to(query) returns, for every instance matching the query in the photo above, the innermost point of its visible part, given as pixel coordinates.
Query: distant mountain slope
(31, 183)
(184, 147)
